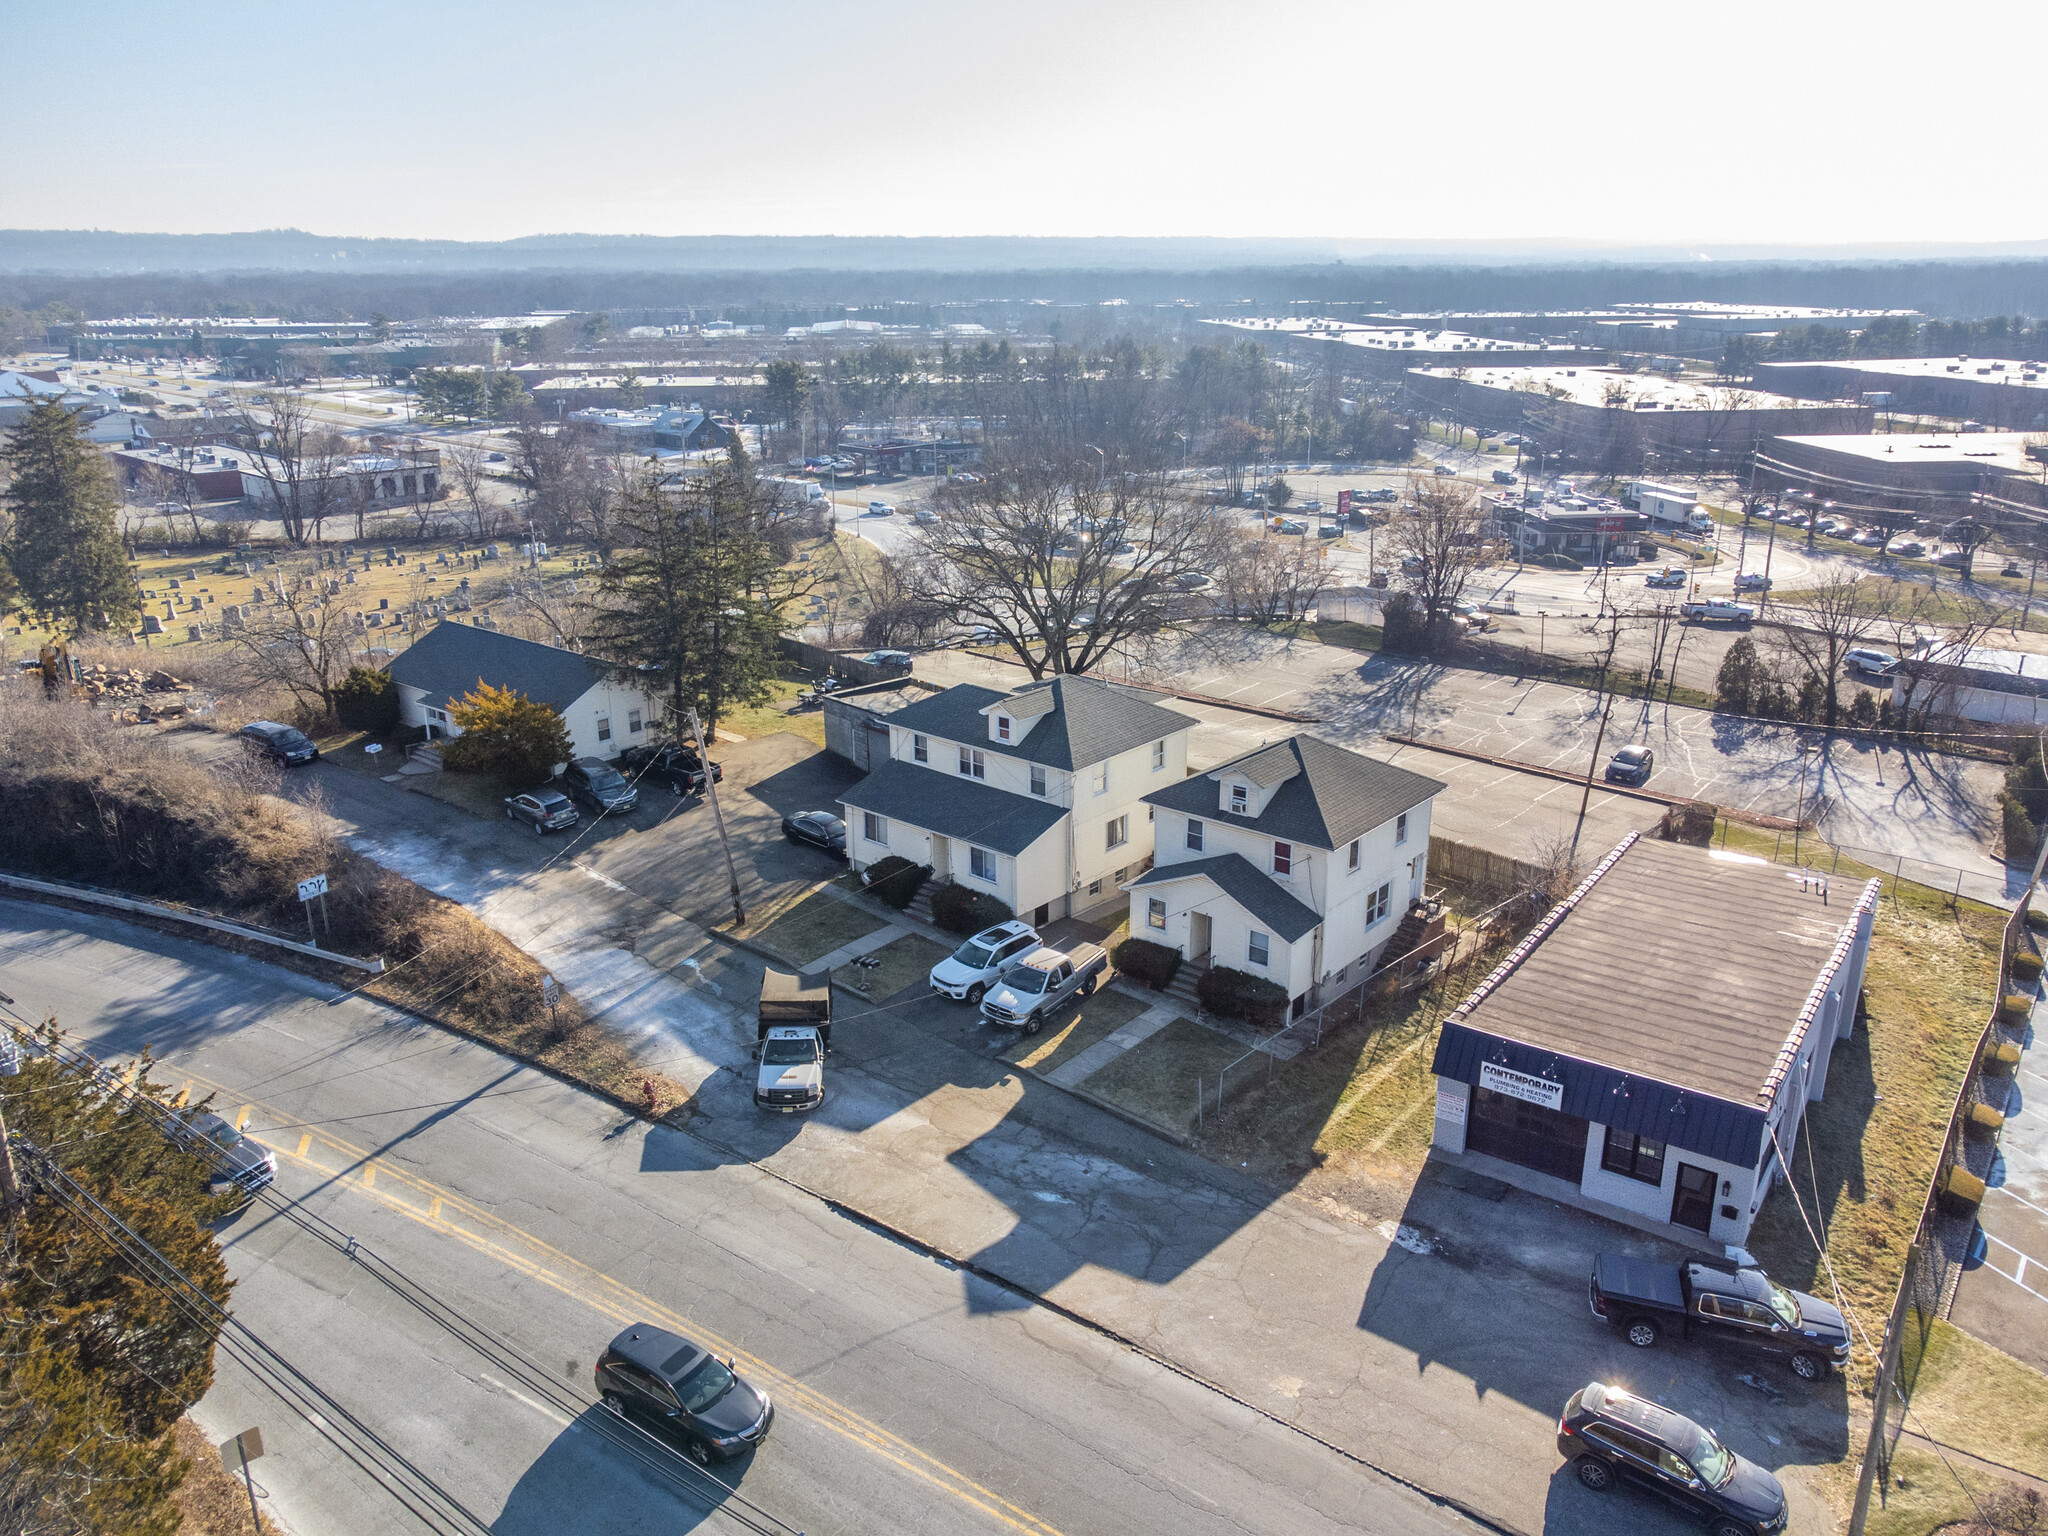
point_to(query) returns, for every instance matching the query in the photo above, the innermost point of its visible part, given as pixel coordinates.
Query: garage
(1528, 1135)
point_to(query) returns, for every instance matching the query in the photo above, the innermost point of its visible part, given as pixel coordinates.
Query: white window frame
(874, 829)
(981, 864)
(920, 747)
(1158, 755)
(1197, 836)
(604, 727)
(1354, 856)
(1379, 904)
(973, 763)
(1002, 727)
(1400, 829)
(1038, 780)
(1155, 914)
(634, 724)
(1283, 861)
(1258, 949)
(1240, 800)
(1102, 778)
(1118, 832)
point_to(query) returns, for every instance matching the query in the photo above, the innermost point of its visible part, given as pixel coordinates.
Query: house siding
(605, 701)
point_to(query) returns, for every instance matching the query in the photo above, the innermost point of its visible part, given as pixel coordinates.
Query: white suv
(968, 972)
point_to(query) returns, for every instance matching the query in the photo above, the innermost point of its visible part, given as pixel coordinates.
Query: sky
(1787, 123)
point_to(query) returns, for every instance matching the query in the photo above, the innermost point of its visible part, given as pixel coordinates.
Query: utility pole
(10, 1065)
(1600, 738)
(739, 911)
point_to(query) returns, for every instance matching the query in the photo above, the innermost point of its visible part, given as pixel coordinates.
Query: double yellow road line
(449, 1214)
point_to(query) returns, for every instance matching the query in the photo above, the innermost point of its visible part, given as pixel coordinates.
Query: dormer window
(1002, 727)
(1240, 800)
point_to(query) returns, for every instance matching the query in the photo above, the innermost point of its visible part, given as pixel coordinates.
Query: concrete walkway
(1099, 1055)
(846, 954)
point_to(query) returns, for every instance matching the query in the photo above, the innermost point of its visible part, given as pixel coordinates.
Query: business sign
(308, 889)
(1612, 525)
(1450, 1105)
(1343, 503)
(1521, 1085)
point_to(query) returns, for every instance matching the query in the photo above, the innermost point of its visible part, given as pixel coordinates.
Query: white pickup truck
(1717, 608)
(967, 973)
(1040, 982)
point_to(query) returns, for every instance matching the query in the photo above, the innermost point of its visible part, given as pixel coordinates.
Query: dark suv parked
(1613, 1436)
(279, 743)
(600, 786)
(680, 768)
(681, 1390)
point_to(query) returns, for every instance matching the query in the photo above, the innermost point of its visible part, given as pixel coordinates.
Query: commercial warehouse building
(1911, 469)
(1995, 392)
(1647, 1051)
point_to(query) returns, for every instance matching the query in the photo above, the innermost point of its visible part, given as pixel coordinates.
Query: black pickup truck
(1743, 1306)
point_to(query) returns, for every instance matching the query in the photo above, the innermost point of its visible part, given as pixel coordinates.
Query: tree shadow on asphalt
(599, 1474)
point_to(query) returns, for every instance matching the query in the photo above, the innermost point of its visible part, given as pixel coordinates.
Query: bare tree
(1438, 535)
(1064, 557)
(464, 463)
(1272, 580)
(293, 456)
(302, 640)
(1927, 691)
(1827, 621)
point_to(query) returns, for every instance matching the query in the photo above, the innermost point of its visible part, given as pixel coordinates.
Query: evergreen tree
(506, 734)
(1740, 679)
(65, 548)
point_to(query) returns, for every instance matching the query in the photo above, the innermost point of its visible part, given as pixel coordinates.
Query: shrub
(1554, 562)
(1234, 994)
(2026, 967)
(1404, 627)
(508, 735)
(367, 700)
(1143, 960)
(2021, 839)
(895, 880)
(960, 910)
(2016, 1007)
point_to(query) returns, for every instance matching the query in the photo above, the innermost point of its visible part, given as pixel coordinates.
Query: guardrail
(92, 894)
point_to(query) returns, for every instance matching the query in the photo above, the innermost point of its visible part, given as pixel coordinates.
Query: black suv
(279, 743)
(680, 768)
(1612, 1436)
(679, 1389)
(599, 785)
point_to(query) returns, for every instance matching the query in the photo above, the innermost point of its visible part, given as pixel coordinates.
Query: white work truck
(792, 1040)
(1036, 986)
(1717, 608)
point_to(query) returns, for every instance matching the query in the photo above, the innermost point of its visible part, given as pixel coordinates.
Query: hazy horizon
(1376, 129)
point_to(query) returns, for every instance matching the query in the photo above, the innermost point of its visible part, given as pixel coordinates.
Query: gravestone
(152, 625)
(194, 632)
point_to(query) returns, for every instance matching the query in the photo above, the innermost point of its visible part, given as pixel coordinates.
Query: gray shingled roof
(1334, 795)
(954, 806)
(1089, 722)
(1240, 880)
(449, 660)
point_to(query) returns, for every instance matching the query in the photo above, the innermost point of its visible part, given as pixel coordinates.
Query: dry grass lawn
(1978, 1399)
(1096, 1020)
(903, 961)
(816, 926)
(1156, 1078)
(212, 1501)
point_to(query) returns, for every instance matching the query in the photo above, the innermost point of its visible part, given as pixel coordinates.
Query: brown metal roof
(1684, 965)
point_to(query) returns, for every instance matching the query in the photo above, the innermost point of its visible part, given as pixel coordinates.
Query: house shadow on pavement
(592, 1476)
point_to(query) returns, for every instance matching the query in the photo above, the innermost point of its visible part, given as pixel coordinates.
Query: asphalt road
(907, 1401)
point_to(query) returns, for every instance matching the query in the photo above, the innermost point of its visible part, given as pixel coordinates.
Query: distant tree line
(1893, 336)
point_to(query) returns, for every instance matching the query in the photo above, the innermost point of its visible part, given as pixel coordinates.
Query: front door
(1692, 1204)
(942, 858)
(1198, 938)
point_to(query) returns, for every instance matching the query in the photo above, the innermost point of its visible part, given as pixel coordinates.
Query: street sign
(10, 1057)
(308, 889)
(236, 1454)
(550, 993)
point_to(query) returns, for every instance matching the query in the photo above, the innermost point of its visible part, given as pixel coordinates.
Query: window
(1194, 835)
(1037, 779)
(875, 828)
(981, 864)
(1094, 887)
(1002, 727)
(972, 763)
(1158, 755)
(1240, 800)
(604, 727)
(1377, 903)
(1101, 778)
(634, 724)
(1636, 1157)
(1401, 829)
(1257, 949)
(1119, 831)
(921, 749)
(1155, 914)
(1283, 858)
(1354, 855)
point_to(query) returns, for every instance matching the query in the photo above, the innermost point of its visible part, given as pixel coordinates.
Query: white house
(1036, 797)
(603, 712)
(1295, 862)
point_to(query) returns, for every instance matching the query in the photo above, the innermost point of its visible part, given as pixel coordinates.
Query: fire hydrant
(650, 1098)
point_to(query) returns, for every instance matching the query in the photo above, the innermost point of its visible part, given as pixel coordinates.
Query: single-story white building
(604, 712)
(1647, 1051)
